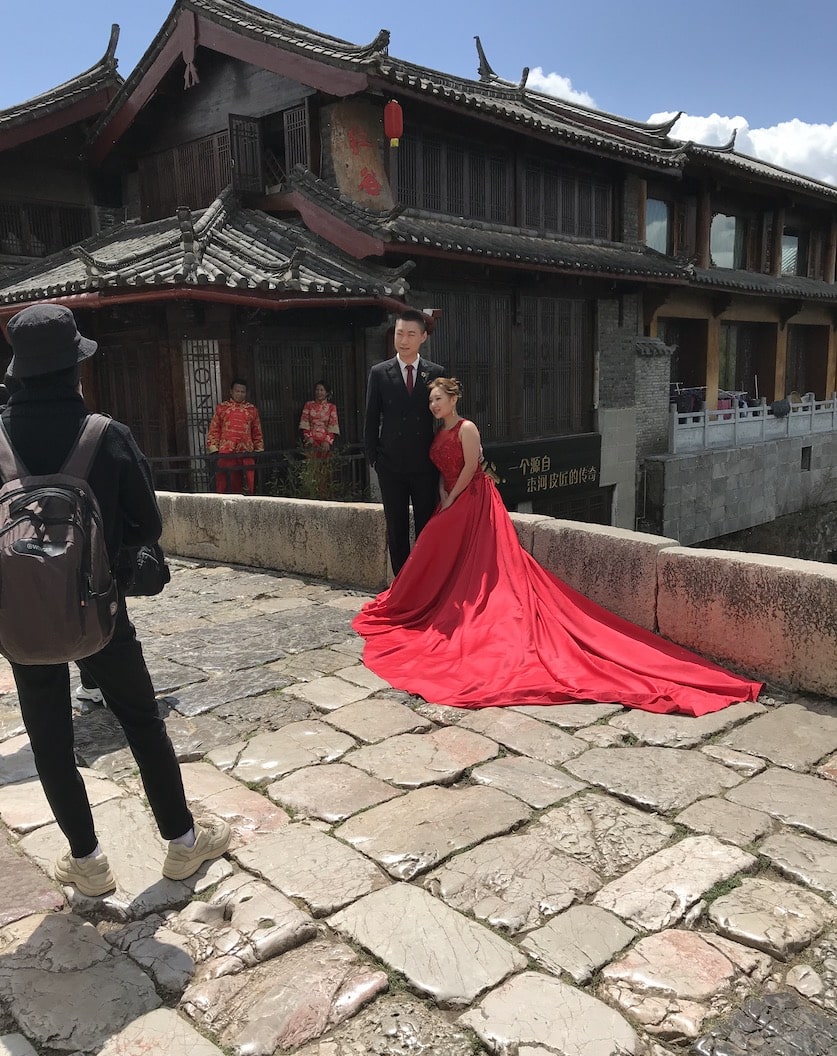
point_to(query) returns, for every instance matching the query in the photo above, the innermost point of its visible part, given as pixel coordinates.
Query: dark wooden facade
(547, 237)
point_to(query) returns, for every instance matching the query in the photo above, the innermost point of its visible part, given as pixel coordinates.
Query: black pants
(398, 490)
(119, 671)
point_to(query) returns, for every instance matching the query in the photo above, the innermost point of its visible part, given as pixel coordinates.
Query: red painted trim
(273, 57)
(122, 119)
(91, 106)
(334, 230)
(94, 300)
(191, 29)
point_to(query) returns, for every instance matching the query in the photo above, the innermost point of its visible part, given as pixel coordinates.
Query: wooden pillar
(713, 360)
(776, 241)
(704, 225)
(780, 375)
(830, 255)
(831, 368)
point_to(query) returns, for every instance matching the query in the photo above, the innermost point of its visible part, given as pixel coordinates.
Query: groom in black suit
(399, 432)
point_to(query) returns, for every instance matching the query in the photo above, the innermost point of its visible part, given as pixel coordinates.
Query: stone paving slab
(221, 689)
(24, 807)
(512, 883)
(682, 731)
(671, 982)
(537, 1015)
(271, 755)
(15, 1045)
(159, 1033)
(578, 941)
(330, 791)
(748, 765)
(812, 862)
(329, 692)
(49, 968)
(374, 720)
(25, 889)
(807, 802)
(11, 722)
(659, 892)
(16, 760)
(603, 833)
(727, 821)
(662, 779)
(287, 1001)
(534, 782)
(168, 676)
(523, 735)
(775, 1025)
(569, 716)
(771, 915)
(252, 715)
(243, 923)
(393, 1026)
(440, 952)
(307, 864)
(412, 834)
(795, 736)
(211, 792)
(129, 837)
(411, 760)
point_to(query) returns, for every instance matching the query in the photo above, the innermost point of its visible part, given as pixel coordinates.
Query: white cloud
(561, 87)
(804, 148)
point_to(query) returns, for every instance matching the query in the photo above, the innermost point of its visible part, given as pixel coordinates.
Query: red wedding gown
(473, 621)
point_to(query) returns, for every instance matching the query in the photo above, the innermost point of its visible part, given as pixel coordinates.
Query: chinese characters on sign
(369, 182)
(357, 139)
(525, 470)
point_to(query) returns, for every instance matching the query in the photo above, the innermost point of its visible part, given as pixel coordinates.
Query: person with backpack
(50, 438)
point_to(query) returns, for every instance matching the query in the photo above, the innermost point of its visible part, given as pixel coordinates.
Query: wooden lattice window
(129, 388)
(34, 229)
(191, 174)
(438, 173)
(566, 202)
(297, 137)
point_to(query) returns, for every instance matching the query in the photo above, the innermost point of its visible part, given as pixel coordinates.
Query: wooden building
(263, 224)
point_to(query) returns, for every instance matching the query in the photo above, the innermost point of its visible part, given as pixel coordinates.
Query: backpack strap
(10, 465)
(82, 453)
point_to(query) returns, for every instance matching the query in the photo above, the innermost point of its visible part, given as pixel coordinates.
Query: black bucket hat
(44, 338)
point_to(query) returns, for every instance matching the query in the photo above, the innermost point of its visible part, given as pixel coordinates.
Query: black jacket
(399, 426)
(42, 425)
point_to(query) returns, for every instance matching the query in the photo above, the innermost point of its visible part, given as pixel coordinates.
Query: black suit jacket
(399, 425)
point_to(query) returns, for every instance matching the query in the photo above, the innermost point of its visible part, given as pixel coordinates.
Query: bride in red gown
(473, 621)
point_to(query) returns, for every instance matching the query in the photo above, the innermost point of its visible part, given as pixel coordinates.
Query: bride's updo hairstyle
(449, 386)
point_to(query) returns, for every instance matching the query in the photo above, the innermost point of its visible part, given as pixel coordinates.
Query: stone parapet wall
(769, 617)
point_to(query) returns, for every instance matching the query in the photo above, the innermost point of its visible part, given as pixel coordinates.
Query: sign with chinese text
(534, 469)
(357, 152)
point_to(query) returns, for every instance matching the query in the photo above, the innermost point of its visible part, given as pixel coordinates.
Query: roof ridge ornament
(109, 59)
(486, 73)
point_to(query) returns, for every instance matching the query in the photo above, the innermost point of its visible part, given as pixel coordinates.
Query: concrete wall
(772, 618)
(701, 495)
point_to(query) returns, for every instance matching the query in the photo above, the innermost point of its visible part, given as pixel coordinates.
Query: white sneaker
(95, 696)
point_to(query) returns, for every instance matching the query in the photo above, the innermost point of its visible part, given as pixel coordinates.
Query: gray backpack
(58, 598)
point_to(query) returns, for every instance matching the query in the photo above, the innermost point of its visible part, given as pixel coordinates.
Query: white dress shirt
(403, 368)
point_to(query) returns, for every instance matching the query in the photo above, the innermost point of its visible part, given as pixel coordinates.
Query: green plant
(308, 477)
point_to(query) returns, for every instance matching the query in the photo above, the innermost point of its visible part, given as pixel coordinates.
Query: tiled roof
(223, 246)
(102, 75)
(410, 228)
(755, 282)
(726, 157)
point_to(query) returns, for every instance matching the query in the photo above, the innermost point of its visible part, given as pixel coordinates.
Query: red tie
(410, 378)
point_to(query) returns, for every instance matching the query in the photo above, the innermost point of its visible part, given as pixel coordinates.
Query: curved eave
(758, 169)
(755, 283)
(511, 114)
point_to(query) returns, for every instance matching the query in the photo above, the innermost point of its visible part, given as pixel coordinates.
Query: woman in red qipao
(473, 621)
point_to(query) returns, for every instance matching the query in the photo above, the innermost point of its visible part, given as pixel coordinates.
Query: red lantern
(393, 122)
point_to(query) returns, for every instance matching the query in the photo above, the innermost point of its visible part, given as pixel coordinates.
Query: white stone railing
(735, 427)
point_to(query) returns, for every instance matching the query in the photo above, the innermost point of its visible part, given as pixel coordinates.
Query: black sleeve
(137, 502)
(373, 417)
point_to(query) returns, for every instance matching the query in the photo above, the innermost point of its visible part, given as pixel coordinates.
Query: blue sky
(764, 66)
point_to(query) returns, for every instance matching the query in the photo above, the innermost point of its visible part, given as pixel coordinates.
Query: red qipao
(473, 621)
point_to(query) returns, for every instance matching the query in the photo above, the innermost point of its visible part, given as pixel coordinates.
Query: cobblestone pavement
(579, 880)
